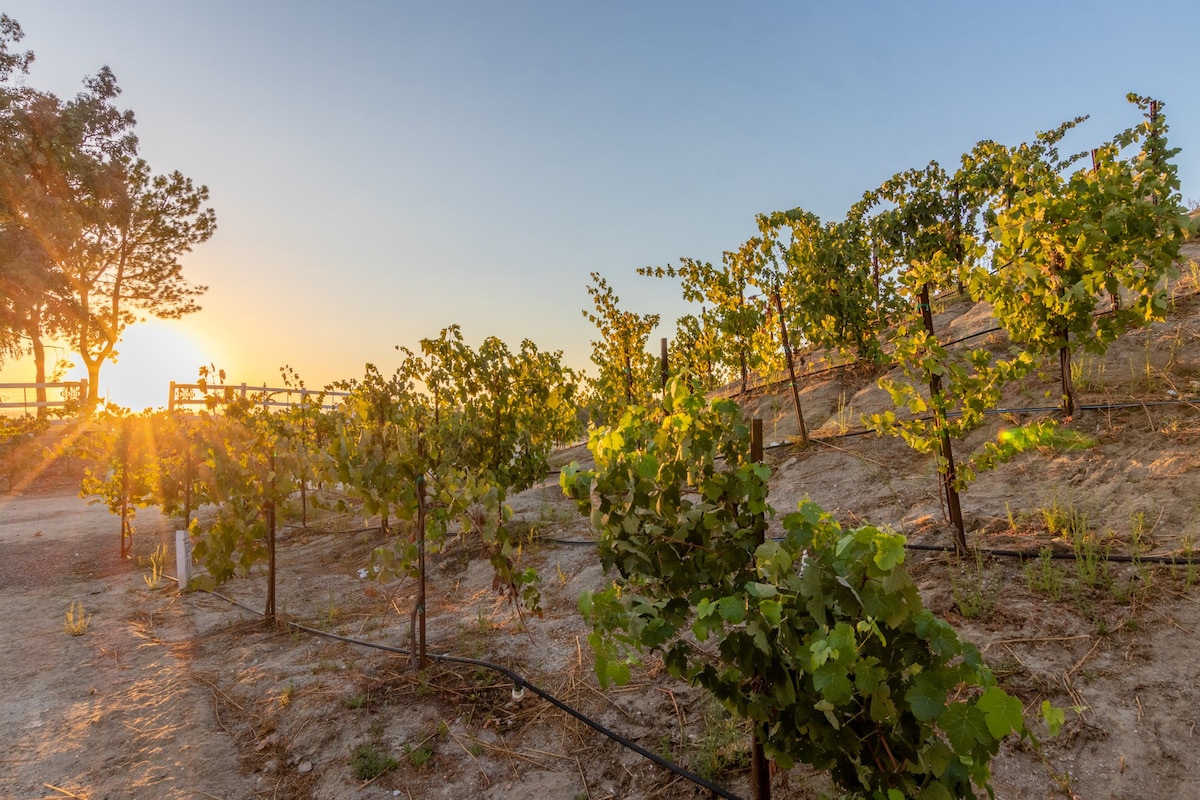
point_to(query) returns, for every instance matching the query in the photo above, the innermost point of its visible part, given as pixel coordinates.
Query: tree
(93, 237)
(923, 235)
(627, 372)
(33, 300)
(252, 464)
(30, 292)
(724, 291)
(502, 413)
(1075, 239)
(697, 352)
(124, 474)
(127, 261)
(517, 406)
(392, 453)
(826, 271)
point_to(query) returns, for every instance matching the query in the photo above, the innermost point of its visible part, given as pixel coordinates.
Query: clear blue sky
(382, 170)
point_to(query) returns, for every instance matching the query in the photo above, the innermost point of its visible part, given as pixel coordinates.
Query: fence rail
(70, 392)
(185, 394)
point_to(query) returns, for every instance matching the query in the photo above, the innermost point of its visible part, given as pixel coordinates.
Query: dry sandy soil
(171, 695)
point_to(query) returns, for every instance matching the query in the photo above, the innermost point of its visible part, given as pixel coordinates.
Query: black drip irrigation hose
(520, 682)
(1065, 554)
(990, 551)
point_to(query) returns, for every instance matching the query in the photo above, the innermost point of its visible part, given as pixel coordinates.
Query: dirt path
(117, 711)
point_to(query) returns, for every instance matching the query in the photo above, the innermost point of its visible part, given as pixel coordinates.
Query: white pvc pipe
(183, 558)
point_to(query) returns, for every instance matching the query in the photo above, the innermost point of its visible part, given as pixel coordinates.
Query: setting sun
(152, 354)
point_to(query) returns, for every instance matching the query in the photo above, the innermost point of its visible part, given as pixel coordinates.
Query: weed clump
(368, 762)
(77, 621)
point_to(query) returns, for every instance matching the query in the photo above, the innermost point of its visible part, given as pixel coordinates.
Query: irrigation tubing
(518, 681)
(1064, 554)
(990, 551)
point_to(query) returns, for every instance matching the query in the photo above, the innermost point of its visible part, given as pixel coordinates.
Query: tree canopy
(90, 236)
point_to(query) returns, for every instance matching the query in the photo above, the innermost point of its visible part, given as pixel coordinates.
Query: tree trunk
(92, 399)
(419, 609)
(947, 472)
(1068, 385)
(39, 365)
(787, 354)
(760, 769)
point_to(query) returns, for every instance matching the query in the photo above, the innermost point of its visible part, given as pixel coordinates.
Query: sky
(382, 170)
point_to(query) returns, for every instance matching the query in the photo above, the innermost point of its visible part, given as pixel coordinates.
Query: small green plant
(1012, 518)
(974, 594)
(157, 561)
(422, 752)
(775, 407)
(1188, 551)
(1146, 379)
(1063, 780)
(1088, 373)
(77, 620)
(1193, 272)
(368, 762)
(843, 415)
(1064, 521)
(1139, 530)
(419, 756)
(1044, 576)
(1091, 558)
(332, 610)
(721, 745)
(286, 695)
(1139, 584)
(358, 701)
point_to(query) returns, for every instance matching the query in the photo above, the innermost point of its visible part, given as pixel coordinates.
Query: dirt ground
(170, 695)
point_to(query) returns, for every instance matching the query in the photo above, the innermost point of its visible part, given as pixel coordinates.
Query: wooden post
(875, 280)
(628, 379)
(787, 354)
(947, 478)
(270, 612)
(664, 363)
(188, 470)
(1154, 135)
(760, 768)
(419, 609)
(171, 398)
